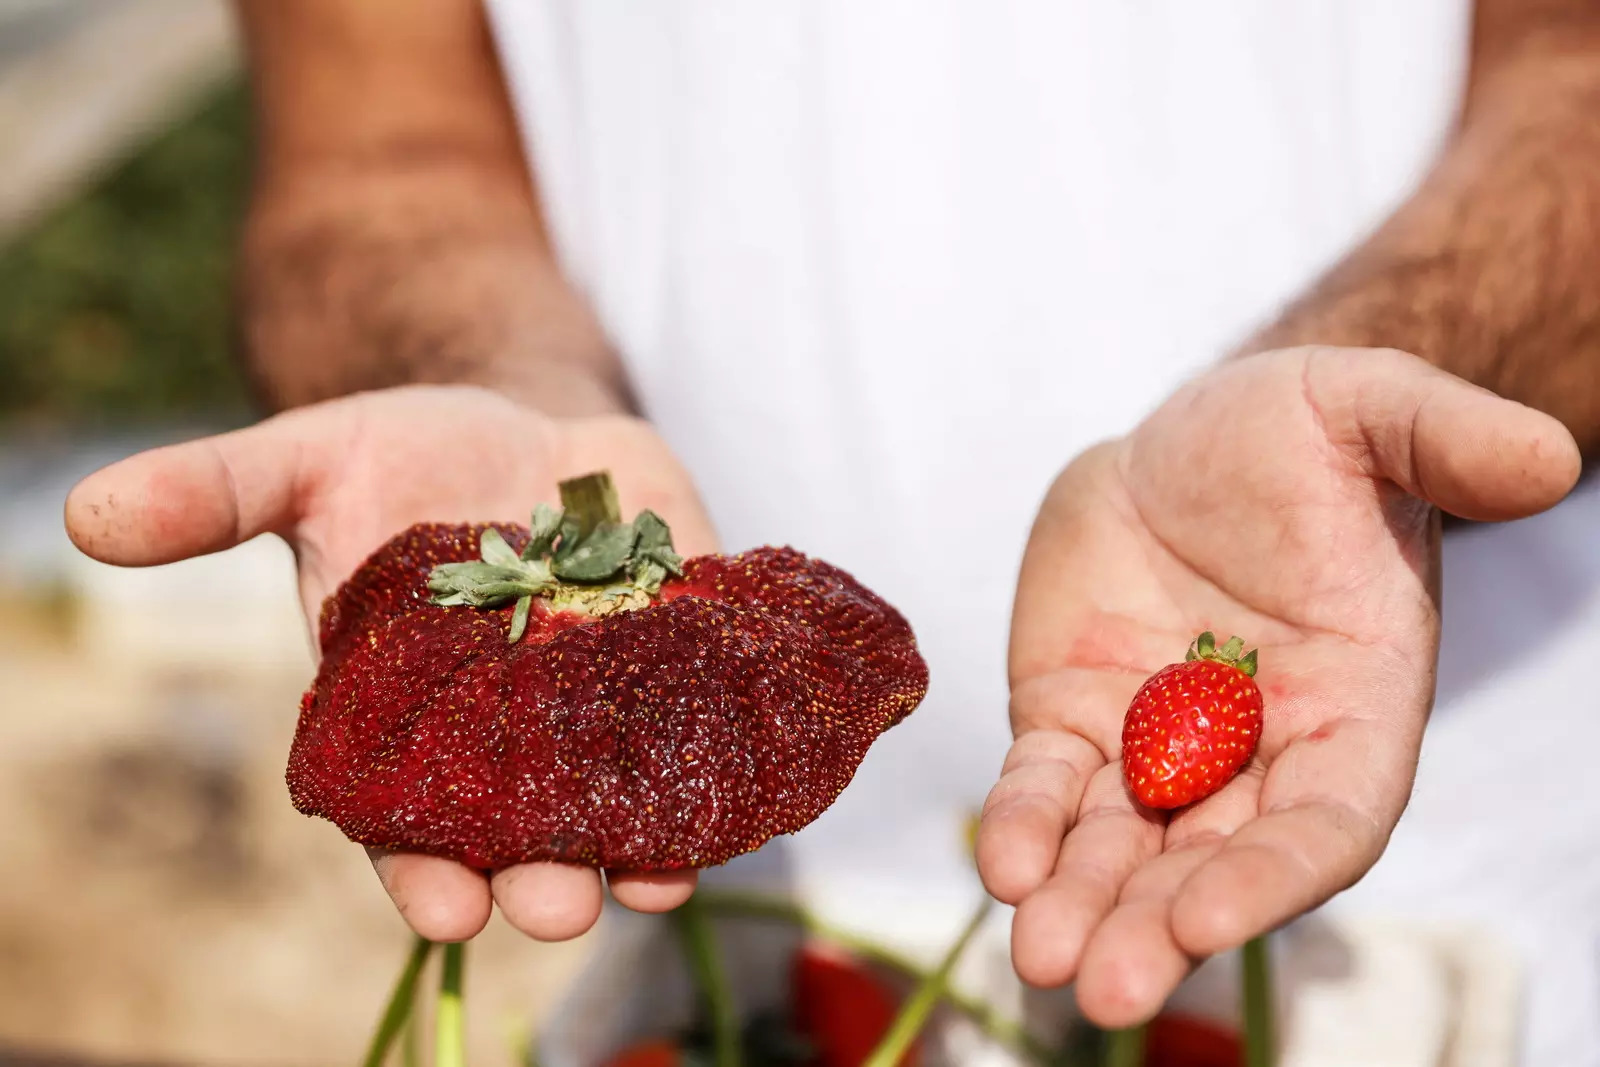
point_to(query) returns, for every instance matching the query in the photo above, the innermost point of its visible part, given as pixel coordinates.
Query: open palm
(336, 480)
(1291, 498)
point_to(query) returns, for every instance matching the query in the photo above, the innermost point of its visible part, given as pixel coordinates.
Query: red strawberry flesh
(734, 708)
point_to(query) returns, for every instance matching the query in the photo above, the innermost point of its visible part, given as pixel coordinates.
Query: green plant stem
(1260, 1036)
(914, 1015)
(449, 1031)
(519, 1041)
(1125, 1048)
(398, 1010)
(997, 1027)
(700, 946)
(411, 1044)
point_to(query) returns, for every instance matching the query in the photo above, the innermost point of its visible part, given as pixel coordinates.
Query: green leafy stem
(581, 553)
(1232, 652)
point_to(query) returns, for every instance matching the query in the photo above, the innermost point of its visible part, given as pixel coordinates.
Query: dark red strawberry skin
(678, 735)
(1191, 727)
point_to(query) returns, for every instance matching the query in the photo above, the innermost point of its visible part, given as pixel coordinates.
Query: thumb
(189, 499)
(1469, 452)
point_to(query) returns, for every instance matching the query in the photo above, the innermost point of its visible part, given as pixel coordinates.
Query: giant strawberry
(574, 691)
(1193, 725)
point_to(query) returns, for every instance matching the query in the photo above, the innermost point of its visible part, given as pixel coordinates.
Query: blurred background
(160, 901)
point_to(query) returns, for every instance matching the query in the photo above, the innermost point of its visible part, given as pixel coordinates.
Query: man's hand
(338, 479)
(1290, 498)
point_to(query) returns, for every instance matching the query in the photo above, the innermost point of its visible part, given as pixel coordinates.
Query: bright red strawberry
(842, 1007)
(580, 694)
(1192, 725)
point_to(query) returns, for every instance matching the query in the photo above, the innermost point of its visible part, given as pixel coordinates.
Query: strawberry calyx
(1232, 652)
(581, 557)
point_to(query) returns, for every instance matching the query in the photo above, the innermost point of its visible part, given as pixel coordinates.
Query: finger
(1068, 726)
(1132, 963)
(1275, 868)
(189, 499)
(1462, 448)
(439, 899)
(1031, 808)
(653, 891)
(548, 901)
(1328, 805)
(1109, 842)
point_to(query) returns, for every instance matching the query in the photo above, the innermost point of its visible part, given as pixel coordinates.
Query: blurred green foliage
(114, 308)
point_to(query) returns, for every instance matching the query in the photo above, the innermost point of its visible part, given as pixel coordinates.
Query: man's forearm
(394, 272)
(394, 233)
(1492, 271)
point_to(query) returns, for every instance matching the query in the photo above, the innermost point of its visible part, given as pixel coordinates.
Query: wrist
(562, 385)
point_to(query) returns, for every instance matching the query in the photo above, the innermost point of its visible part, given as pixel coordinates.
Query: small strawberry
(574, 691)
(1192, 725)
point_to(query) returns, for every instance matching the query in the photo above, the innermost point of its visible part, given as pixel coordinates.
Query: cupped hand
(338, 479)
(1292, 498)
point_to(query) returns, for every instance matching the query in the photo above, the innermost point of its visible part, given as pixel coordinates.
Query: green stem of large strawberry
(705, 963)
(914, 1014)
(1260, 1030)
(582, 558)
(398, 1011)
(591, 500)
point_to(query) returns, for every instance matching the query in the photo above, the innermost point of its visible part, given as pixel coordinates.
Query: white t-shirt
(879, 269)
